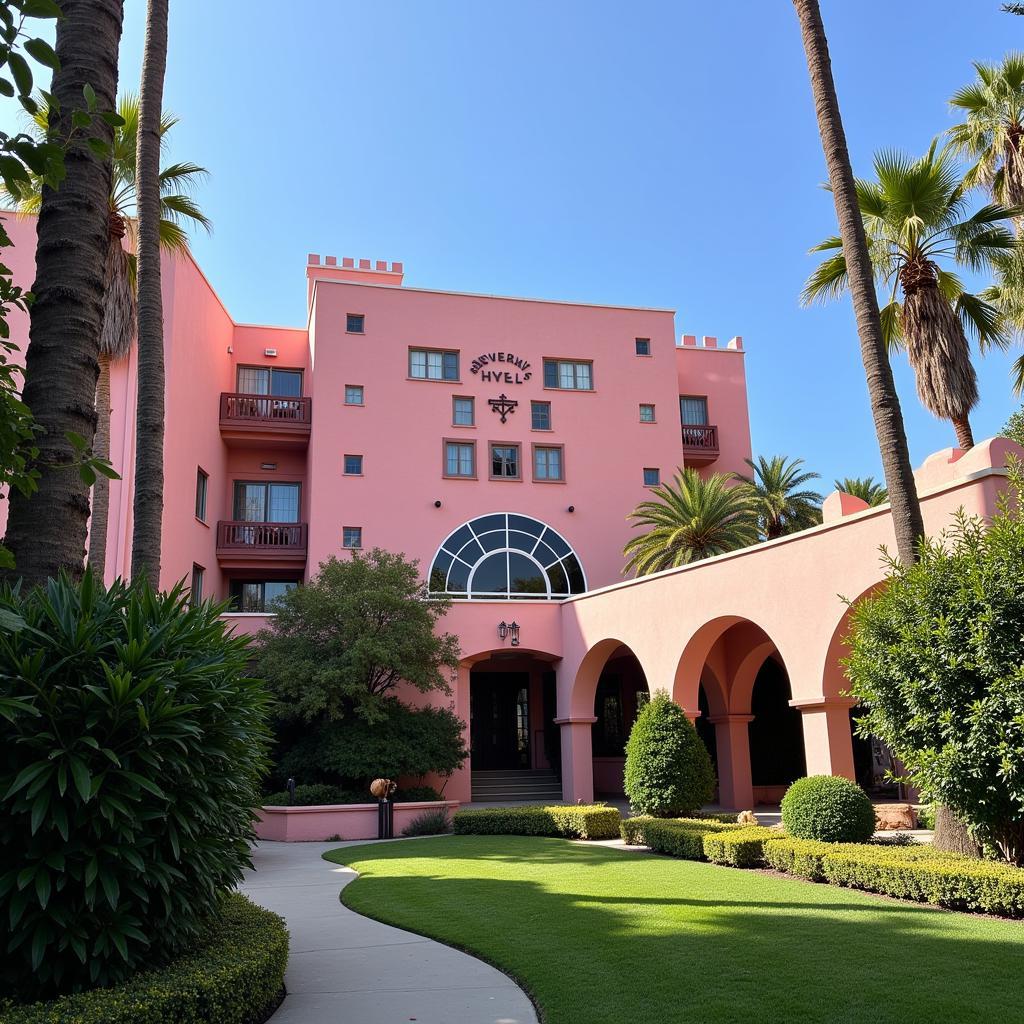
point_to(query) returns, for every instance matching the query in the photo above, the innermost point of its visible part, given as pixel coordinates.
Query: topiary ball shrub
(828, 808)
(132, 745)
(668, 769)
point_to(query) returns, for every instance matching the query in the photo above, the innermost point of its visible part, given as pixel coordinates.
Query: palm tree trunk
(149, 457)
(47, 532)
(964, 434)
(101, 489)
(885, 403)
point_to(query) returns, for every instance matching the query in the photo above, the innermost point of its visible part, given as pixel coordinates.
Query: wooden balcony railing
(270, 410)
(236, 537)
(700, 444)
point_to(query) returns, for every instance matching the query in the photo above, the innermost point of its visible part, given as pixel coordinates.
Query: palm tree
(149, 419)
(697, 518)
(178, 209)
(781, 508)
(66, 319)
(992, 136)
(916, 218)
(885, 403)
(992, 132)
(866, 488)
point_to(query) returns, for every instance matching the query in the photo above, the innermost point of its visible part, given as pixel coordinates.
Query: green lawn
(599, 936)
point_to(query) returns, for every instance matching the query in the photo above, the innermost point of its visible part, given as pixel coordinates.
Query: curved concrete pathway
(346, 969)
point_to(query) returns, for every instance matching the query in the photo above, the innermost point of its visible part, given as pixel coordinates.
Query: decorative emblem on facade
(502, 405)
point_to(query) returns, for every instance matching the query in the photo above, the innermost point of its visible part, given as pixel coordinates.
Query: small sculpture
(746, 818)
(383, 788)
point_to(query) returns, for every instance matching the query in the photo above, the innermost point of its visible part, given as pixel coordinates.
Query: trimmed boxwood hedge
(632, 829)
(960, 883)
(806, 857)
(591, 821)
(235, 977)
(682, 837)
(742, 848)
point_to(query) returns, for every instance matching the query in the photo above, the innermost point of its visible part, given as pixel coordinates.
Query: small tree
(1014, 428)
(668, 770)
(337, 650)
(936, 663)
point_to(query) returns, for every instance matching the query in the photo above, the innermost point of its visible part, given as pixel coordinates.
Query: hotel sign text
(488, 366)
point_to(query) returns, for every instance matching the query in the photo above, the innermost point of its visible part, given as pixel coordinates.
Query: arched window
(505, 555)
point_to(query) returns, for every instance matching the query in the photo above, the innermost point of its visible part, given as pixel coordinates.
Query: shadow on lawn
(648, 938)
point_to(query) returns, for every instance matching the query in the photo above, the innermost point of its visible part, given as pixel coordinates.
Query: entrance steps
(535, 787)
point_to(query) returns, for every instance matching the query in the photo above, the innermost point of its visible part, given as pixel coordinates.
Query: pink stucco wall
(349, 821)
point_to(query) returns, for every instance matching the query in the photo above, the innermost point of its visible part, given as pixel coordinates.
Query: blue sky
(658, 154)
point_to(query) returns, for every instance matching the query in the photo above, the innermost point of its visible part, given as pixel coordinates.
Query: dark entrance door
(499, 721)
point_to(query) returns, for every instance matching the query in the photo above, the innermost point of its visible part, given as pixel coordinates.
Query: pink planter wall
(350, 821)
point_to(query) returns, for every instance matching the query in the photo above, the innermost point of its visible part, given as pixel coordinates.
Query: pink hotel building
(502, 442)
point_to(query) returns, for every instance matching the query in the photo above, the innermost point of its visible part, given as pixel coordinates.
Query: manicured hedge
(632, 829)
(959, 883)
(742, 848)
(233, 978)
(828, 808)
(592, 821)
(682, 837)
(806, 857)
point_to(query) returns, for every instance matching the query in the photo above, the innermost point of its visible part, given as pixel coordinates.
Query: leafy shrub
(319, 794)
(234, 977)
(681, 837)
(926, 816)
(828, 808)
(130, 760)
(305, 796)
(668, 770)
(429, 823)
(594, 821)
(935, 661)
(742, 848)
(399, 741)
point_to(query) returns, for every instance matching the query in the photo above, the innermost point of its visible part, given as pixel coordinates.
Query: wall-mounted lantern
(509, 629)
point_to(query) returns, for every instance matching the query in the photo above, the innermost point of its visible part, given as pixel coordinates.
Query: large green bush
(131, 749)
(594, 821)
(234, 977)
(828, 808)
(668, 770)
(935, 660)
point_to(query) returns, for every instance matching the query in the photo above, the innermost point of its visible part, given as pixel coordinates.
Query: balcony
(241, 544)
(265, 421)
(700, 445)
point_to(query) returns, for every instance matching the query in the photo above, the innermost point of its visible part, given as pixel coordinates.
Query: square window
(202, 486)
(643, 346)
(646, 413)
(459, 459)
(351, 536)
(547, 463)
(355, 323)
(353, 394)
(196, 595)
(652, 477)
(505, 461)
(540, 415)
(353, 465)
(463, 412)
